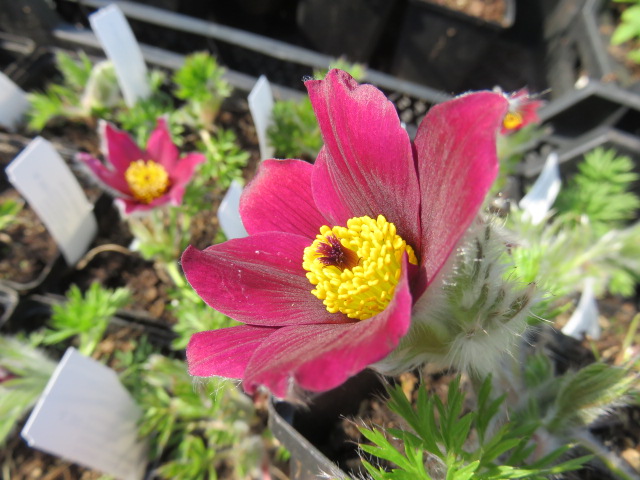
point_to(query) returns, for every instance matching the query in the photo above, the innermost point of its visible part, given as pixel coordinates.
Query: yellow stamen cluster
(512, 120)
(147, 180)
(362, 288)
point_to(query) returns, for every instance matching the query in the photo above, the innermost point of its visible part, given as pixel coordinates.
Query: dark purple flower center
(334, 253)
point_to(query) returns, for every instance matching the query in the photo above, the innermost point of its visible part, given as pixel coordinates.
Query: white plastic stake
(229, 213)
(85, 415)
(537, 203)
(53, 192)
(584, 319)
(13, 102)
(261, 105)
(117, 40)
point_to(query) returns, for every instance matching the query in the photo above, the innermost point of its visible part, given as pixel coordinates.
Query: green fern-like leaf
(75, 73)
(601, 191)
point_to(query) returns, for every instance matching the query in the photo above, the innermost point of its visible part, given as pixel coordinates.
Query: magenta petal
(368, 166)
(279, 198)
(111, 179)
(457, 163)
(130, 206)
(185, 168)
(258, 280)
(175, 194)
(225, 352)
(121, 150)
(321, 357)
(161, 148)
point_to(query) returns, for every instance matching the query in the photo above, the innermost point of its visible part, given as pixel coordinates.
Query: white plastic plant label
(117, 40)
(261, 105)
(229, 213)
(13, 102)
(85, 415)
(544, 191)
(53, 192)
(584, 320)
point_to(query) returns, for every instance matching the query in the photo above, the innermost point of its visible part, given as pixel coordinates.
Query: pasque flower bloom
(339, 251)
(143, 179)
(523, 111)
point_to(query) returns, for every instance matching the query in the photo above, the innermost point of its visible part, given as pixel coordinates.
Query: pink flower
(339, 251)
(143, 179)
(523, 111)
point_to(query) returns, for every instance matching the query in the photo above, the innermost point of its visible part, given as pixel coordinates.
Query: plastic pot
(440, 47)
(308, 431)
(570, 153)
(337, 28)
(596, 104)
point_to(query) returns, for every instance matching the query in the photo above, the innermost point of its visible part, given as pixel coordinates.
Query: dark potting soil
(26, 248)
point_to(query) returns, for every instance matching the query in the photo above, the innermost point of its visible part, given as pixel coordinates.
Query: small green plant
(24, 373)
(85, 316)
(601, 191)
(629, 28)
(141, 119)
(9, 210)
(201, 84)
(294, 132)
(193, 316)
(225, 162)
(565, 406)
(195, 431)
(85, 90)
(446, 442)
(587, 235)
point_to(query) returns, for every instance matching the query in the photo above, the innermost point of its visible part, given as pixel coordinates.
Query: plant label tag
(229, 213)
(261, 105)
(537, 203)
(584, 320)
(13, 102)
(86, 416)
(53, 192)
(117, 40)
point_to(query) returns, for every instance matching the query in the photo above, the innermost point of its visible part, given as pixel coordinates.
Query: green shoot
(85, 316)
(85, 90)
(601, 191)
(193, 316)
(201, 84)
(294, 132)
(447, 442)
(629, 28)
(9, 210)
(24, 373)
(196, 431)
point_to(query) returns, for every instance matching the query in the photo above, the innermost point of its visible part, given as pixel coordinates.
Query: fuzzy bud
(471, 314)
(102, 90)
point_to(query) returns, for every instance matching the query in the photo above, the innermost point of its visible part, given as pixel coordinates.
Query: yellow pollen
(147, 180)
(512, 120)
(355, 269)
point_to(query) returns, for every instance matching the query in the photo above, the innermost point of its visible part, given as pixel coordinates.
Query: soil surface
(26, 248)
